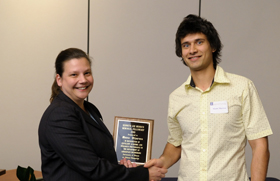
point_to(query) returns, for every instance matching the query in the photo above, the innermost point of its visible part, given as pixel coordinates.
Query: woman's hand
(127, 163)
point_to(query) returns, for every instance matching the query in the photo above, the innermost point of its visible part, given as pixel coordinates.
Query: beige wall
(32, 33)
(135, 67)
(134, 64)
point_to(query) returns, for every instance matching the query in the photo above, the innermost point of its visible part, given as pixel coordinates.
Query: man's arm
(260, 158)
(170, 156)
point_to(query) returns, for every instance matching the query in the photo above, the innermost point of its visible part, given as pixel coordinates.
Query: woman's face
(76, 81)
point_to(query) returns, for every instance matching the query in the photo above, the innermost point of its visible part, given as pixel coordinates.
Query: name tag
(218, 107)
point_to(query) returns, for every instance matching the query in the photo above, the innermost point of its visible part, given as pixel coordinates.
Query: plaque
(133, 139)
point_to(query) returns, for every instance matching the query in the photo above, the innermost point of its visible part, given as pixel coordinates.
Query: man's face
(197, 52)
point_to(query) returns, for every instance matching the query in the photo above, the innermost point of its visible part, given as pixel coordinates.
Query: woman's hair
(195, 24)
(62, 57)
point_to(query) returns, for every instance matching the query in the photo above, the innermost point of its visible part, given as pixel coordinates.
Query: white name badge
(218, 107)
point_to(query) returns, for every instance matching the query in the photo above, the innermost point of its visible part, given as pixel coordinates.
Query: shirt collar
(193, 84)
(220, 77)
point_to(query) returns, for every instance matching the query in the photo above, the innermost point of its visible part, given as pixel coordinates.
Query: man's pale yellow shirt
(213, 144)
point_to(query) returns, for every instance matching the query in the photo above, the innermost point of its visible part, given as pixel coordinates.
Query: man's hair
(194, 24)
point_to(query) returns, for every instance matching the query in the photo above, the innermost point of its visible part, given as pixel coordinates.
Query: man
(213, 114)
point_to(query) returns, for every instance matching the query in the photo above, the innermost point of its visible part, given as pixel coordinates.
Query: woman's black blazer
(76, 148)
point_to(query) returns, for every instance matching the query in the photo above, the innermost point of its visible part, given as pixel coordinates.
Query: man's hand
(154, 162)
(156, 172)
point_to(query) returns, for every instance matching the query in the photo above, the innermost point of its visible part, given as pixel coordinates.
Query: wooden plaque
(133, 139)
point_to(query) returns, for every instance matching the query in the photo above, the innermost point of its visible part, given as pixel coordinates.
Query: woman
(75, 144)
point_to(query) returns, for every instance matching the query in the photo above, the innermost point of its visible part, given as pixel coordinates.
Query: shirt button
(203, 113)
(203, 150)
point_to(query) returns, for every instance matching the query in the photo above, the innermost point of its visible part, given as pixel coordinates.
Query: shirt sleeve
(175, 131)
(254, 117)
